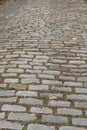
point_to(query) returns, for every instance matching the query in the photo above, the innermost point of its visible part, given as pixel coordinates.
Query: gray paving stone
(22, 117)
(70, 128)
(38, 87)
(15, 70)
(45, 76)
(26, 93)
(51, 82)
(69, 111)
(78, 62)
(7, 93)
(9, 99)
(19, 62)
(77, 97)
(9, 125)
(3, 85)
(81, 90)
(33, 71)
(82, 79)
(27, 76)
(61, 89)
(79, 121)
(30, 101)
(52, 72)
(44, 110)
(73, 84)
(59, 104)
(81, 104)
(15, 108)
(67, 78)
(47, 95)
(11, 80)
(30, 80)
(54, 119)
(40, 127)
(2, 115)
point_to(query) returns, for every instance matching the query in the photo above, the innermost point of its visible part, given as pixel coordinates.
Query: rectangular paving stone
(9, 125)
(71, 128)
(15, 70)
(8, 99)
(68, 111)
(77, 62)
(81, 90)
(59, 103)
(27, 93)
(77, 96)
(40, 127)
(81, 104)
(22, 117)
(7, 93)
(2, 115)
(25, 66)
(44, 110)
(11, 80)
(52, 72)
(38, 87)
(67, 78)
(82, 79)
(61, 89)
(51, 82)
(27, 75)
(30, 80)
(18, 62)
(79, 121)
(33, 71)
(54, 119)
(9, 75)
(15, 108)
(73, 84)
(30, 101)
(3, 85)
(45, 76)
(47, 95)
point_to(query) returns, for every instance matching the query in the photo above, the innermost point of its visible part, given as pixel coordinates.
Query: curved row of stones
(43, 65)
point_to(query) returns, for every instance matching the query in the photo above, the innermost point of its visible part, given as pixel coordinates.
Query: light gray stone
(8, 99)
(73, 84)
(15, 108)
(59, 104)
(2, 115)
(40, 127)
(54, 119)
(79, 121)
(77, 97)
(26, 93)
(44, 110)
(70, 128)
(38, 87)
(11, 80)
(7, 93)
(22, 117)
(10, 125)
(30, 101)
(67, 111)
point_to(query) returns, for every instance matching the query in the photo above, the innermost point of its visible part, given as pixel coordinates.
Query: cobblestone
(40, 127)
(7, 107)
(79, 121)
(54, 119)
(66, 111)
(43, 65)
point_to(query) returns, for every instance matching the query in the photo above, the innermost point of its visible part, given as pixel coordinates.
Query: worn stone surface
(43, 64)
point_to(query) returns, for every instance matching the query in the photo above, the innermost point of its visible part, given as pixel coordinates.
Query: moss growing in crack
(24, 128)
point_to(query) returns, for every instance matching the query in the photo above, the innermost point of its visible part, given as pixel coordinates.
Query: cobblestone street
(43, 65)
